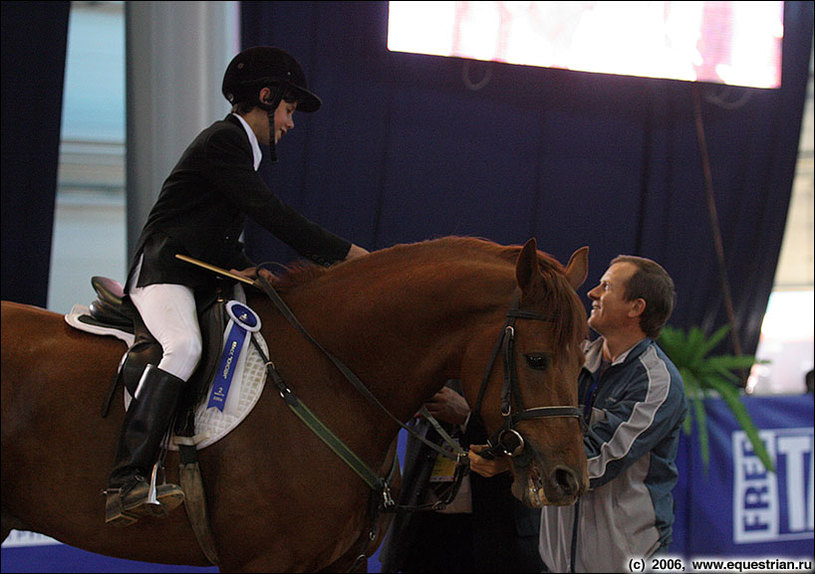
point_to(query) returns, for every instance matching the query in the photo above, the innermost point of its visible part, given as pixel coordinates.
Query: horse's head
(538, 423)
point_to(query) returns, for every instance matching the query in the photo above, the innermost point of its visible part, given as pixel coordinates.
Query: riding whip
(217, 270)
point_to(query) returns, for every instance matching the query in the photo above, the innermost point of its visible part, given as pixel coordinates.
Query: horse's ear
(578, 268)
(526, 267)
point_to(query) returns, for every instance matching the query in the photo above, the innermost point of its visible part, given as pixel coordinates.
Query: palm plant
(704, 375)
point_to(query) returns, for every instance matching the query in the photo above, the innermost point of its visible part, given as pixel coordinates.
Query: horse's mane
(438, 255)
(297, 273)
(302, 272)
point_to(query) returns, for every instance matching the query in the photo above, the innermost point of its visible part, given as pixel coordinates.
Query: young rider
(200, 212)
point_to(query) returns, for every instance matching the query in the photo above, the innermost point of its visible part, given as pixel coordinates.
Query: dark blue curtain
(34, 39)
(402, 150)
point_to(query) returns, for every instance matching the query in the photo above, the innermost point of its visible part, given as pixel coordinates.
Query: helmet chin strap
(271, 106)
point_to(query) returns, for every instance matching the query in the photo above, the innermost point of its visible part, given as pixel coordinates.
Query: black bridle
(507, 440)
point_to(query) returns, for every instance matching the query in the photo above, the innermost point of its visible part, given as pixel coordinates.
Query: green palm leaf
(703, 375)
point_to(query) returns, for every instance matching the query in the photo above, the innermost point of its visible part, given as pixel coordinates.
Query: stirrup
(168, 497)
(163, 498)
(140, 500)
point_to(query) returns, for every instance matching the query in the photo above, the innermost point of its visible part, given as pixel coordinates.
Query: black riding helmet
(261, 66)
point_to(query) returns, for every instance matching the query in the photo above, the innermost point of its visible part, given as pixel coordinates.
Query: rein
(320, 429)
(349, 374)
(373, 480)
(507, 440)
(311, 420)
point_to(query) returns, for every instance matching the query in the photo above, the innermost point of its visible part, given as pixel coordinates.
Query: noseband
(507, 440)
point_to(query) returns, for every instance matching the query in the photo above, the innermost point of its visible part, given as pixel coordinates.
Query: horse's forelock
(570, 320)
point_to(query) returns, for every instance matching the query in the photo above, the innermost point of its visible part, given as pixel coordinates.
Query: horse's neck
(403, 333)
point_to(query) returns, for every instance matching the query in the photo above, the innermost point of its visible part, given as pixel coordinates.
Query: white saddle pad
(211, 424)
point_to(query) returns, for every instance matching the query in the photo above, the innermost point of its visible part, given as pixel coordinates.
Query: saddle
(113, 308)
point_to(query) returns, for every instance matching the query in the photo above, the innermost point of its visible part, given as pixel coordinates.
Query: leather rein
(376, 483)
(506, 440)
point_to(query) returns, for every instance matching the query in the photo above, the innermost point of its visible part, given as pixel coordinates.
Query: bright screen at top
(737, 43)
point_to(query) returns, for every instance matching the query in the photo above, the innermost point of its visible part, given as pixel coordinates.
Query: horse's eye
(537, 361)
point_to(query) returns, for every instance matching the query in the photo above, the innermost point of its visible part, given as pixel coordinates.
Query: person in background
(484, 528)
(200, 212)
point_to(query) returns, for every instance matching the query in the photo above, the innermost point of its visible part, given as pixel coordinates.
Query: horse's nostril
(566, 479)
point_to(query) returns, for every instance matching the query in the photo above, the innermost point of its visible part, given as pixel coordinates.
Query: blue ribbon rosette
(243, 322)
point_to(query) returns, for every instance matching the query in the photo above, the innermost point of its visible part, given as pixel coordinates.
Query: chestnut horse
(404, 319)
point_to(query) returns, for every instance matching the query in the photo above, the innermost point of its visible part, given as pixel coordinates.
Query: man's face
(609, 309)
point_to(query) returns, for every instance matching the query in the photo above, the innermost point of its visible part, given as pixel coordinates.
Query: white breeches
(170, 315)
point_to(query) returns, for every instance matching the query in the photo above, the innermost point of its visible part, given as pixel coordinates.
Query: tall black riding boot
(146, 422)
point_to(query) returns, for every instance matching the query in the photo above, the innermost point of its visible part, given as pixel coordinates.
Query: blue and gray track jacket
(637, 407)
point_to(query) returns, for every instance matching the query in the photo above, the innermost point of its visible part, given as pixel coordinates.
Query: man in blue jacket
(634, 402)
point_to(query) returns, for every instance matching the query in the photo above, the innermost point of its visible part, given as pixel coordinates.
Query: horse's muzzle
(560, 487)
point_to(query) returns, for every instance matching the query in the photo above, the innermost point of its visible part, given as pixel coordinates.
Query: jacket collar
(594, 353)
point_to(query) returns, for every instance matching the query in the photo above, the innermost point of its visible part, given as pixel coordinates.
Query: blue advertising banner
(736, 507)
